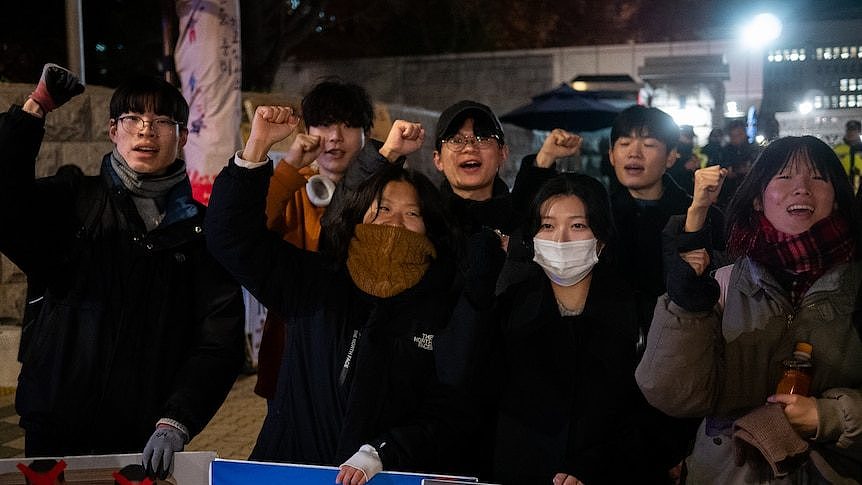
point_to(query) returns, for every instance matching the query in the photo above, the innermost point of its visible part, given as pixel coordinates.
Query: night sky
(123, 36)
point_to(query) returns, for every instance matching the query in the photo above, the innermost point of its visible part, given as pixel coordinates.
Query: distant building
(812, 80)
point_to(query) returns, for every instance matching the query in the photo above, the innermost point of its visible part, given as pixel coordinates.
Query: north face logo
(426, 341)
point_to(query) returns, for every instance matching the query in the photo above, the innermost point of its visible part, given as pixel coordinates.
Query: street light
(763, 28)
(760, 31)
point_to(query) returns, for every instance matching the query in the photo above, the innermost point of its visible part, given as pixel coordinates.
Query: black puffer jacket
(357, 369)
(135, 326)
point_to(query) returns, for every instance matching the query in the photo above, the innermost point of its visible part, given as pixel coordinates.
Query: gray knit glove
(158, 455)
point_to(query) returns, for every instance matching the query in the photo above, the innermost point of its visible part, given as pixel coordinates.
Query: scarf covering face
(805, 257)
(385, 260)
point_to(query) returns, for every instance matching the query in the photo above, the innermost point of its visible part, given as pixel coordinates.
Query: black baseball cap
(485, 121)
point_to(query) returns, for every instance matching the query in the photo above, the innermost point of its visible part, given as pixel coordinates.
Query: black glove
(56, 86)
(158, 455)
(684, 287)
(485, 258)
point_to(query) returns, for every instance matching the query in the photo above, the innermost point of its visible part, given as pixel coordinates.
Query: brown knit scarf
(799, 260)
(385, 260)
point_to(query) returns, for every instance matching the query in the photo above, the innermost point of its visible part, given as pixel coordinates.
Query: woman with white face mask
(564, 342)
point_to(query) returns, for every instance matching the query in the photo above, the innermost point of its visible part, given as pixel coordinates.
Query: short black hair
(134, 473)
(853, 125)
(43, 466)
(645, 121)
(734, 124)
(333, 101)
(742, 218)
(591, 192)
(144, 93)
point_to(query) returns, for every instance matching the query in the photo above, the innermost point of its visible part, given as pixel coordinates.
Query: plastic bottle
(797, 372)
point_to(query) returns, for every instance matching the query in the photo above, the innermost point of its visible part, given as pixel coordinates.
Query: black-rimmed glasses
(161, 126)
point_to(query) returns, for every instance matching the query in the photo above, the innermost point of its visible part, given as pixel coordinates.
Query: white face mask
(566, 263)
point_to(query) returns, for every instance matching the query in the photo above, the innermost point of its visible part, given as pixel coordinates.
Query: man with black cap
(469, 149)
(849, 149)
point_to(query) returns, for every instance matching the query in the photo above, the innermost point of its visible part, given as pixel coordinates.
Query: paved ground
(231, 433)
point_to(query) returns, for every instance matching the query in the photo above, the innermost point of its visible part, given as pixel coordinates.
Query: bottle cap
(804, 347)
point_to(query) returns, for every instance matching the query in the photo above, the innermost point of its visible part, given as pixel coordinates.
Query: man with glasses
(140, 334)
(469, 149)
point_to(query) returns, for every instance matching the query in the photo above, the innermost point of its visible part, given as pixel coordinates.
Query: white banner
(208, 62)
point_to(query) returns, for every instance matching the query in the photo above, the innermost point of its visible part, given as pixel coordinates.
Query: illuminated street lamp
(756, 34)
(763, 29)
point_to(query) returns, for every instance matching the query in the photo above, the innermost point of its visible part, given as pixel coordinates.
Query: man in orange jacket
(338, 116)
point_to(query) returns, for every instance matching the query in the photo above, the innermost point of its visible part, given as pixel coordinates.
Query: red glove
(56, 86)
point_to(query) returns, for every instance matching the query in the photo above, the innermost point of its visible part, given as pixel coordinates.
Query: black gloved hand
(158, 456)
(695, 293)
(485, 258)
(56, 86)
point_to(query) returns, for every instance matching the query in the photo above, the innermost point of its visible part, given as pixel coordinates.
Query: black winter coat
(356, 369)
(134, 326)
(640, 241)
(568, 402)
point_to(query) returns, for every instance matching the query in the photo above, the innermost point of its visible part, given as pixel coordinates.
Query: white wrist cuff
(246, 164)
(367, 460)
(176, 424)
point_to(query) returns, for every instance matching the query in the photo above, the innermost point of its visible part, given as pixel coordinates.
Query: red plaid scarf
(797, 261)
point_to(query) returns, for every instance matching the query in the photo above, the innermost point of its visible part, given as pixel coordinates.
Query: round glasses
(458, 142)
(161, 126)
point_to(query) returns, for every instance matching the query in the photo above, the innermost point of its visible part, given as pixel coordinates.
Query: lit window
(842, 85)
(851, 102)
(851, 84)
(778, 57)
(801, 54)
(842, 101)
(818, 102)
(819, 53)
(833, 102)
(853, 50)
(794, 55)
(845, 53)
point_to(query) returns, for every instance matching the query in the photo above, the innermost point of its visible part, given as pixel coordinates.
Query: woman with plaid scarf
(718, 339)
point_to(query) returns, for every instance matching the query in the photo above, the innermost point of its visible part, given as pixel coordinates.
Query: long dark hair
(341, 217)
(742, 218)
(595, 198)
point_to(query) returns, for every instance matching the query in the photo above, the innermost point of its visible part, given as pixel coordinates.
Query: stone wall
(74, 134)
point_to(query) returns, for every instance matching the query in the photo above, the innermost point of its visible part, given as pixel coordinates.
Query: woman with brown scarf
(718, 341)
(357, 386)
